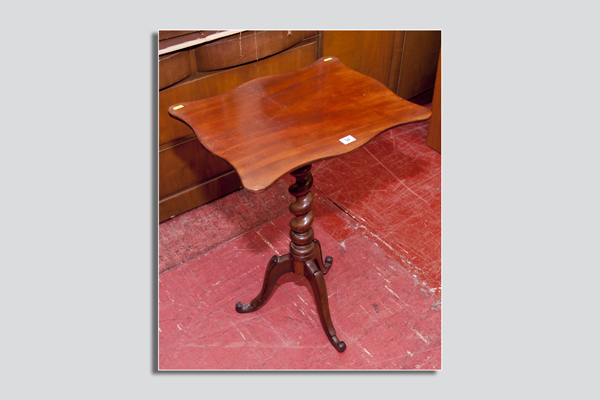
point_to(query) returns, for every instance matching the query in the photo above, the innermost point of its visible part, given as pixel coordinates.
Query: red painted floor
(377, 213)
(392, 189)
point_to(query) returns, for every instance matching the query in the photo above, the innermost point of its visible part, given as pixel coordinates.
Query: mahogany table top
(273, 125)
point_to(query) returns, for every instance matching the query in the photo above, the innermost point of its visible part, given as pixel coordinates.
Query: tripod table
(281, 124)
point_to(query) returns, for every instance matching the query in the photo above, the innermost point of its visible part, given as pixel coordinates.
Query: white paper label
(347, 139)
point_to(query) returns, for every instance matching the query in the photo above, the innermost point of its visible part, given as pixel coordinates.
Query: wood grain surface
(368, 52)
(173, 68)
(419, 62)
(273, 125)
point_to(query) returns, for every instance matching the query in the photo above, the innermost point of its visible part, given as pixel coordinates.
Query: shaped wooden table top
(273, 125)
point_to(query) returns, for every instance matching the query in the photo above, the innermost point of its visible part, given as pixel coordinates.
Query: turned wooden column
(302, 246)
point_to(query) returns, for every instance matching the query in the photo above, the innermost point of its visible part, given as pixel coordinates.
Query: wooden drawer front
(198, 195)
(244, 48)
(173, 68)
(220, 82)
(186, 165)
(163, 35)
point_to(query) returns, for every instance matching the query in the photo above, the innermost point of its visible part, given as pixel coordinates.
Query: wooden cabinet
(404, 61)
(434, 133)
(419, 64)
(194, 67)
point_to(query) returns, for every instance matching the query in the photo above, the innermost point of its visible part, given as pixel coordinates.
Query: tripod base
(314, 269)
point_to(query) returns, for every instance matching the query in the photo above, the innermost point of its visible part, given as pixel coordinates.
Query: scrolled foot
(277, 266)
(243, 308)
(339, 345)
(327, 264)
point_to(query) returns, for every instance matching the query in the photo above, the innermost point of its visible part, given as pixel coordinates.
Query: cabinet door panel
(368, 52)
(419, 62)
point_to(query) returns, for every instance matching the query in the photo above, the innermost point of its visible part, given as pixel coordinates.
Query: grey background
(520, 199)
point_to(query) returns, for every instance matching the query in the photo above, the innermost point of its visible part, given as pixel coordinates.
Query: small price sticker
(347, 139)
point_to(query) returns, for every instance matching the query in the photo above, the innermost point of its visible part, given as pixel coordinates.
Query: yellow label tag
(327, 59)
(177, 108)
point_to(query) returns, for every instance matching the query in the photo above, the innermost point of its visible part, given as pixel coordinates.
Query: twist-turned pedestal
(304, 258)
